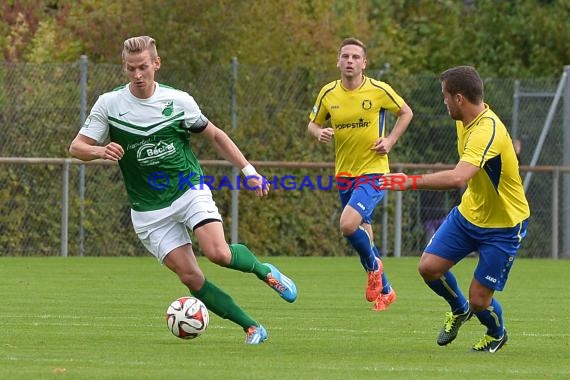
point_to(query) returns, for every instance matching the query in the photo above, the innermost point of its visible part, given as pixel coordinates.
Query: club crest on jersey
(367, 104)
(168, 108)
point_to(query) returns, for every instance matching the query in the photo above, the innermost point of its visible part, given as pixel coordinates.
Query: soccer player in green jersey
(357, 107)
(150, 127)
(492, 217)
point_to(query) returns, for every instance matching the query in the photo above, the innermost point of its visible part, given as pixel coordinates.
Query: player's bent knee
(427, 273)
(220, 256)
(193, 281)
(479, 302)
(348, 229)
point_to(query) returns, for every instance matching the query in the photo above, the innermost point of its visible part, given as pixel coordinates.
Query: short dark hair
(464, 80)
(352, 41)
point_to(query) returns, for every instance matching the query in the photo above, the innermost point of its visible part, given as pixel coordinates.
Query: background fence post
(82, 117)
(555, 208)
(235, 171)
(398, 221)
(546, 128)
(566, 162)
(64, 207)
(516, 106)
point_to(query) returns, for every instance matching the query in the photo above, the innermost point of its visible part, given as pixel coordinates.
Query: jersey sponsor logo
(123, 113)
(151, 154)
(335, 107)
(357, 124)
(168, 108)
(367, 104)
(361, 206)
(87, 122)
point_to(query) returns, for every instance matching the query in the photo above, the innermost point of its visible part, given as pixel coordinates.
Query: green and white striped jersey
(158, 165)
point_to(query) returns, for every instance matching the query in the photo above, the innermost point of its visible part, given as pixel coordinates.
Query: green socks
(245, 261)
(220, 303)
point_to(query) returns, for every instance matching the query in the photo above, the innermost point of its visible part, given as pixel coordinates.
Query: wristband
(249, 170)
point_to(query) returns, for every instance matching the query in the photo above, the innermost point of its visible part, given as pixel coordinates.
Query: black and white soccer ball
(187, 317)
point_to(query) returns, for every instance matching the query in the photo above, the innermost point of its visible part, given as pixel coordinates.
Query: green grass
(103, 318)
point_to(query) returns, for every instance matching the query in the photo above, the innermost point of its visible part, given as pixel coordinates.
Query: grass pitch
(103, 318)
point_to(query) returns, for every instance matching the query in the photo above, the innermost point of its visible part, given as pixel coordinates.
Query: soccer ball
(187, 317)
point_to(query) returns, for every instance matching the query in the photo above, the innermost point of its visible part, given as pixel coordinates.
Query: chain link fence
(265, 110)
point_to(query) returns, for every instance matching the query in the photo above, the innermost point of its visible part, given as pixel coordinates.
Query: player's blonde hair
(138, 45)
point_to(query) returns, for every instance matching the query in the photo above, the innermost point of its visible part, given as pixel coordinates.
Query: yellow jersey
(358, 118)
(494, 197)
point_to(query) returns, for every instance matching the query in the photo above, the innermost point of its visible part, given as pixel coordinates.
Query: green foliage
(13, 194)
(106, 221)
(506, 38)
(36, 106)
(49, 45)
(529, 45)
(31, 211)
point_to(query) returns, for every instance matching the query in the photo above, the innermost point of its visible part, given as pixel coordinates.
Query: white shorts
(163, 230)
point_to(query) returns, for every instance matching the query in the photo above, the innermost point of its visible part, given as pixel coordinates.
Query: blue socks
(386, 284)
(360, 241)
(492, 318)
(447, 287)
(368, 253)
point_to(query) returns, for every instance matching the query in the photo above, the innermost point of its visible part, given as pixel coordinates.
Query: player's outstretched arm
(455, 178)
(226, 148)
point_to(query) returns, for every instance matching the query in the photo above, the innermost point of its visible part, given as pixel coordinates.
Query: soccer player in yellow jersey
(492, 217)
(356, 106)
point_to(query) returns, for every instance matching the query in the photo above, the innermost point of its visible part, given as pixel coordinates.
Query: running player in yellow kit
(492, 217)
(357, 107)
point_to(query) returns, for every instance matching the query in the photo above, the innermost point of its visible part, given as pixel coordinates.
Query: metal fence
(53, 206)
(404, 218)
